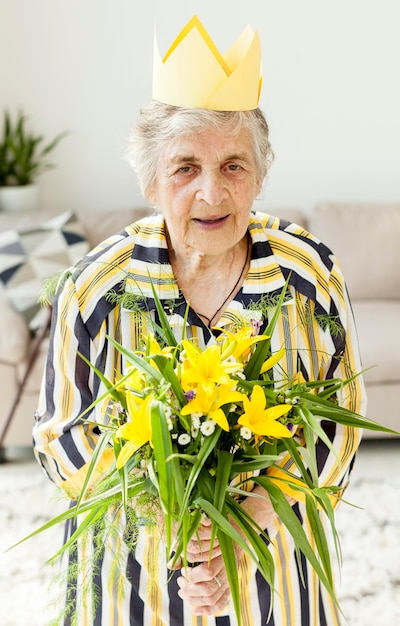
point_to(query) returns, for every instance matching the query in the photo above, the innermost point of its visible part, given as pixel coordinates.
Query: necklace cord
(232, 290)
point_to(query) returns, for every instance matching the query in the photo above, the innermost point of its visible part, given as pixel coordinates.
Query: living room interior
(331, 99)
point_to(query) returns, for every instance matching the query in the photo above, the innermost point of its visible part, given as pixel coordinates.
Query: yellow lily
(153, 347)
(135, 380)
(262, 421)
(136, 432)
(210, 403)
(243, 340)
(272, 360)
(206, 368)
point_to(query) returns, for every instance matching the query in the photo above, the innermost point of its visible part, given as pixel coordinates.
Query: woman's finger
(205, 588)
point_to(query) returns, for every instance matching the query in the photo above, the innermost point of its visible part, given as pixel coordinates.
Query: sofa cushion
(98, 226)
(378, 331)
(29, 255)
(365, 239)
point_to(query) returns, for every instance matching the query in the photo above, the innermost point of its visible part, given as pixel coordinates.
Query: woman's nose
(212, 187)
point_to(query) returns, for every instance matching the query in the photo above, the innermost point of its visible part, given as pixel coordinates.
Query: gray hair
(160, 123)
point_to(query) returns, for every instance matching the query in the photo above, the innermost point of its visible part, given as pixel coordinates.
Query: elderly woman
(204, 248)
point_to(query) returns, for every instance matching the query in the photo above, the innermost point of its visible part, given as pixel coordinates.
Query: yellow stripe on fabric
(283, 575)
(337, 283)
(62, 352)
(245, 576)
(100, 277)
(140, 278)
(300, 257)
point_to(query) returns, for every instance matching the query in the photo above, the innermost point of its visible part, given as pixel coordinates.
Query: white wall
(331, 90)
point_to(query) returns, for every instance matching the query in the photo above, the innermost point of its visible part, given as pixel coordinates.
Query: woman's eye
(185, 169)
(233, 167)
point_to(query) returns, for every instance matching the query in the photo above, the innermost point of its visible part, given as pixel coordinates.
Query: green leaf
(141, 363)
(228, 554)
(319, 536)
(168, 332)
(204, 452)
(88, 521)
(291, 447)
(166, 367)
(253, 367)
(102, 444)
(254, 463)
(222, 477)
(106, 497)
(295, 528)
(162, 451)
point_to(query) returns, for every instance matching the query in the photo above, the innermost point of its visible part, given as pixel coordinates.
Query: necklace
(232, 292)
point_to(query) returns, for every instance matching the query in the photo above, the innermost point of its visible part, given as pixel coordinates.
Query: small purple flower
(256, 325)
(190, 395)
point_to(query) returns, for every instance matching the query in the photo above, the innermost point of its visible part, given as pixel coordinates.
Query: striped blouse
(83, 316)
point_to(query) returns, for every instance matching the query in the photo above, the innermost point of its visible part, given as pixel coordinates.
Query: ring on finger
(218, 581)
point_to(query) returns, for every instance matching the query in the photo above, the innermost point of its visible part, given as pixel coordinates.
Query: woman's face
(205, 187)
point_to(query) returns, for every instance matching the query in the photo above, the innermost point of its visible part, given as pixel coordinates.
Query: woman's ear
(259, 187)
(151, 196)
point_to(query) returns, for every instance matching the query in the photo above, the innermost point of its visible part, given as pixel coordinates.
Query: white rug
(370, 589)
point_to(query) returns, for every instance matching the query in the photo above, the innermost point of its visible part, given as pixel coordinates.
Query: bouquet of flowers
(190, 428)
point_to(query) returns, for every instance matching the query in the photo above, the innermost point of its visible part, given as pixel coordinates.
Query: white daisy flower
(183, 439)
(246, 433)
(207, 428)
(196, 420)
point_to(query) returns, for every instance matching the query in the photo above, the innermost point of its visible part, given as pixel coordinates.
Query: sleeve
(344, 363)
(330, 350)
(64, 442)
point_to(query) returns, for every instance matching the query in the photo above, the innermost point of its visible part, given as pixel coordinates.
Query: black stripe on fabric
(322, 615)
(261, 250)
(264, 599)
(322, 449)
(49, 371)
(136, 603)
(150, 255)
(300, 284)
(82, 370)
(102, 309)
(222, 621)
(98, 591)
(71, 451)
(303, 590)
(175, 602)
(324, 253)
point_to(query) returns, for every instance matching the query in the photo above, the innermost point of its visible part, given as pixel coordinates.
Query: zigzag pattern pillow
(29, 256)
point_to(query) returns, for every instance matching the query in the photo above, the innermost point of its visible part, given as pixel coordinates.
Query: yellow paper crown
(193, 73)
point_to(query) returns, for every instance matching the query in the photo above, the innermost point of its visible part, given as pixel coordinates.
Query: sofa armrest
(14, 334)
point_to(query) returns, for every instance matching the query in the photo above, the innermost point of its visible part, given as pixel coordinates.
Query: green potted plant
(23, 158)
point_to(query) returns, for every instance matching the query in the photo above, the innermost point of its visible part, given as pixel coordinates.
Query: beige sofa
(364, 237)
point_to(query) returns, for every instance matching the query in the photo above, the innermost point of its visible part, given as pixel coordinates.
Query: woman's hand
(198, 548)
(205, 587)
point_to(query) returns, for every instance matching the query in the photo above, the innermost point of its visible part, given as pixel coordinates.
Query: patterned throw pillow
(29, 256)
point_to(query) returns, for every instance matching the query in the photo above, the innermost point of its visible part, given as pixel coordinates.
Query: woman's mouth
(211, 221)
